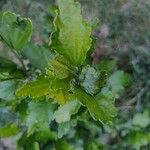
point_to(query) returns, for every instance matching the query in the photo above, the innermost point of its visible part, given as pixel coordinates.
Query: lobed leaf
(49, 87)
(72, 35)
(100, 110)
(14, 30)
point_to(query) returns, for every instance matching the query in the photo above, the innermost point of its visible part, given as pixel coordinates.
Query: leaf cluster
(58, 90)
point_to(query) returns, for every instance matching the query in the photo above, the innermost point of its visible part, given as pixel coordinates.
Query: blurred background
(123, 34)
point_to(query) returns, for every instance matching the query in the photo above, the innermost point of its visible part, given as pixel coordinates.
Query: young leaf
(35, 89)
(36, 53)
(59, 67)
(72, 35)
(89, 79)
(49, 87)
(61, 96)
(63, 114)
(14, 31)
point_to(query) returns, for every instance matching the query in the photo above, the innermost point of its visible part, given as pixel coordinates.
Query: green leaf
(63, 145)
(63, 114)
(45, 134)
(9, 70)
(35, 89)
(93, 145)
(59, 67)
(21, 110)
(61, 96)
(107, 65)
(6, 115)
(39, 116)
(49, 87)
(27, 143)
(119, 78)
(9, 130)
(6, 64)
(141, 119)
(8, 89)
(36, 53)
(116, 84)
(138, 139)
(66, 127)
(100, 109)
(107, 105)
(14, 30)
(72, 35)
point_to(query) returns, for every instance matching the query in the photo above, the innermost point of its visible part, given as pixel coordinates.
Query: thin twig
(137, 99)
(140, 94)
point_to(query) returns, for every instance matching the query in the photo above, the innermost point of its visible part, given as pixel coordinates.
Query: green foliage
(39, 116)
(65, 127)
(66, 92)
(59, 67)
(49, 87)
(72, 32)
(63, 114)
(36, 53)
(107, 65)
(63, 145)
(35, 89)
(7, 89)
(20, 28)
(9, 70)
(141, 119)
(93, 145)
(116, 84)
(99, 110)
(138, 139)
